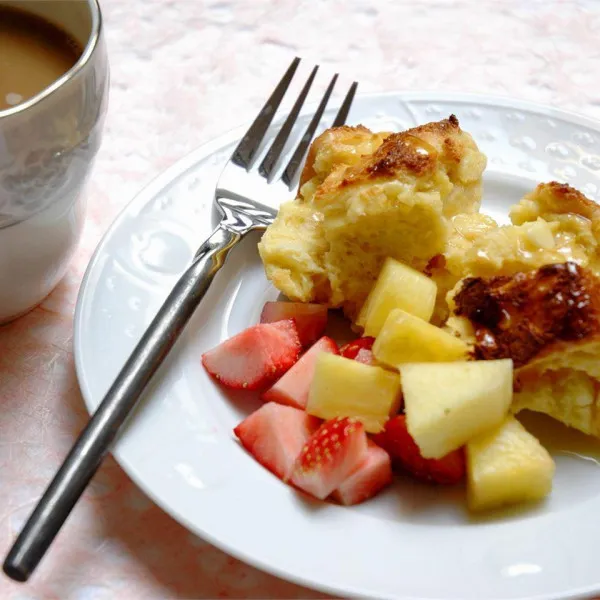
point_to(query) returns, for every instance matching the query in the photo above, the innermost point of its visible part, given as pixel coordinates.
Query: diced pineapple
(507, 465)
(398, 286)
(405, 338)
(447, 404)
(345, 388)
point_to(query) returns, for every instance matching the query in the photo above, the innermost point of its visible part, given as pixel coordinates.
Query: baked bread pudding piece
(553, 224)
(365, 197)
(548, 322)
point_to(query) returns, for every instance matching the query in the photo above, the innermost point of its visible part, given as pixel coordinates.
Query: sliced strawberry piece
(311, 319)
(405, 453)
(293, 387)
(331, 454)
(351, 349)
(372, 475)
(365, 356)
(256, 357)
(275, 436)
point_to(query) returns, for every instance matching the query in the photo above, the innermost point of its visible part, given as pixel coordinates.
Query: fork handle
(95, 440)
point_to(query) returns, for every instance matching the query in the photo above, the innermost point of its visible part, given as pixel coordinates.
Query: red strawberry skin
(256, 357)
(405, 454)
(311, 319)
(351, 349)
(372, 476)
(331, 454)
(275, 436)
(293, 388)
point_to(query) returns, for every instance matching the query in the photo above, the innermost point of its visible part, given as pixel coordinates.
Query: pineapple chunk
(507, 465)
(405, 338)
(447, 404)
(398, 286)
(345, 388)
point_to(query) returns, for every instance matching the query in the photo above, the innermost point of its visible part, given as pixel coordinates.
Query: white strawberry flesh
(310, 319)
(275, 435)
(330, 456)
(292, 389)
(365, 356)
(371, 476)
(256, 357)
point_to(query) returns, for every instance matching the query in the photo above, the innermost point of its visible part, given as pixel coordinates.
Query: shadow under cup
(47, 147)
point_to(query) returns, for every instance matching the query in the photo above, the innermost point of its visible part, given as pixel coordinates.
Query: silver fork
(247, 197)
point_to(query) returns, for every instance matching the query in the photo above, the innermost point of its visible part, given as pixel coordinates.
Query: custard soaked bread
(365, 197)
(548, 322)
(531, 292)
(552, 224)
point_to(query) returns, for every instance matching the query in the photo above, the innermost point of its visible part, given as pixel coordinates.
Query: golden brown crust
(400, 151)
(523, 315)
(343, 134)
(414, 151)
(442, 128)
(560, 198)
(552, 199)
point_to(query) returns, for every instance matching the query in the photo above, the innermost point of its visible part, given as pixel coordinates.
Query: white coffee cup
(47, 147)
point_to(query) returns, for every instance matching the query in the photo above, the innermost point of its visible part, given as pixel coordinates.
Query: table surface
(184, 71)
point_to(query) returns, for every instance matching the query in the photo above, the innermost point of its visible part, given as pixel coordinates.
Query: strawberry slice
(275, 436)
(311, 319)
(365, 356)
(405, 453)
(372, 475)
(293, 387)
(256, 357)
(331, 454)
(351, 349)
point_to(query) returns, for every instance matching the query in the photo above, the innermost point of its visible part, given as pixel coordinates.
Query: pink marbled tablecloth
(184, 71)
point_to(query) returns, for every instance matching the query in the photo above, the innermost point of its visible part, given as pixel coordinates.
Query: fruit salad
(407, 399)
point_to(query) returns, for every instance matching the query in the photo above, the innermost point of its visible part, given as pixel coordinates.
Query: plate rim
(178, 168)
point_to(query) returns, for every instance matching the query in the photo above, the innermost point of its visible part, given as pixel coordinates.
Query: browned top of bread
(526, 315)
(555, 198)
(400, 151)
(345, 135)
(415, 151)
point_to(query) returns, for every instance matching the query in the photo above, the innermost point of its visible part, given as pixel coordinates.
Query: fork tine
(298, 156)
(340, 118)
(268, 163)
(242, 156)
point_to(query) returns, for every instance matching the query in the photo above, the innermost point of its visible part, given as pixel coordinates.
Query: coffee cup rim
(83, 60)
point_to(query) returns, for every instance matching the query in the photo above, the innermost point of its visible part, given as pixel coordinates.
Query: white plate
(411, 542)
